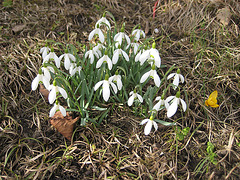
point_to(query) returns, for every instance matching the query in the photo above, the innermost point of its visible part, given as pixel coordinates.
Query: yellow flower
(212, 100)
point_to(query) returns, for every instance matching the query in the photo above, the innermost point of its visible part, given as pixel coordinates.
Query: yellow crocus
(212, 100)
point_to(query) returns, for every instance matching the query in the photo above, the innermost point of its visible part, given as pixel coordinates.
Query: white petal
(168, 99)
(128, 39)
(157, 58)
(144, 56)
(144, 77)
(171, 75)
(114, 87)
(155, 125)
(148, 127)
(63, 92)
(119, 84)
(98, 85)
(130, 100)
(157, 106)
(72, 57)
(91, 34)
(157, 80)
(109, 62)
(172, 109)
(63, 110)
(106, 90)
(184, 105)
(35, 83)
(91, 58)
(176, 81)
(52, 96)
(53, 110)
(140, 98)
(67, 62)
(46, 81)
(57, 60)
(125, 55)
(101, 36)
(144, 121)
(115, 57)
(99, 63)
(182, 78)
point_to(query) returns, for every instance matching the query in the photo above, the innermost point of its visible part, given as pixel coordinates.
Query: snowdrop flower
(103, 21)
(135, 46)
(176, 77)
(116, 79)
(137, 57)
(106, 87)
(54, 90)
(137, 33)
(98, 32)
(74, 68)
(44, 51)
(103, 59)
(120, 36)
(90, 54)
(46, 71)
(53, 56)
(152, 55)
(116, 54)
(57, 107)
(67, 57)
(160, 103)
(175, 100)
(40, 78)
(98, 49)
(152, 74)
(150, 122)
(133, 96)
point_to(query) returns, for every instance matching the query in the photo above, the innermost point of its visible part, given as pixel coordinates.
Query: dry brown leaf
(44, 92)
(224, 15)
(18, 28)
(64, 125)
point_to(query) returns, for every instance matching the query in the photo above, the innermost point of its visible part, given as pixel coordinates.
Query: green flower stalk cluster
(115, 65)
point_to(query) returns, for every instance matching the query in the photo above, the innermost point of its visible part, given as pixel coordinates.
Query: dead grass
(189, 35)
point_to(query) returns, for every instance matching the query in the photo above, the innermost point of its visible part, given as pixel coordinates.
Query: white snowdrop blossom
(40, 78)
(106, 87)
(135, 46)
(98, 49)
(53, 56)
(118, 38)
(176, 77)
(91, 54)
(174, 101)
(152, 55)
(152, 74)
(67, 59)
(150, 122)
(106, 59)
(57, 107)
(54, 90)
(137, 57)
(160, 103)
(44, 51)
(98, 32)
(103, 21)
(118, 52)
(137, 33)
(74, 68)
(116, 79)
(133, 96)
(46, 71)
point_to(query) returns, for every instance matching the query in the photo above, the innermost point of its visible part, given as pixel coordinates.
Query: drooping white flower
(152, 74)
(106, 59)
(152, 55)
(116, 54)
(117, 79)
(137, 57)
(174, 101)
(67, 59)
(74, 68)
(40, 78)
(53, 56)
(46, 71)
(44, 51)
(98, 49)
(150, 122)
(118, 38)
(134, 95)
(103, 21)
(160, 103)
(137, 33)
(98, 32)
(91, 54)
(54, 90)
(106, 87)
(176, 77)
(57, 107)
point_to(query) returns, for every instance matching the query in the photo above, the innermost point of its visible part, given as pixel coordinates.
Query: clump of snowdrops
(116, 69)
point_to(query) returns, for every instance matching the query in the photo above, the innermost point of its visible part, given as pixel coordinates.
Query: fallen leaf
(44, 92)
(224, 15)
(64, 125)
(18, 28)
